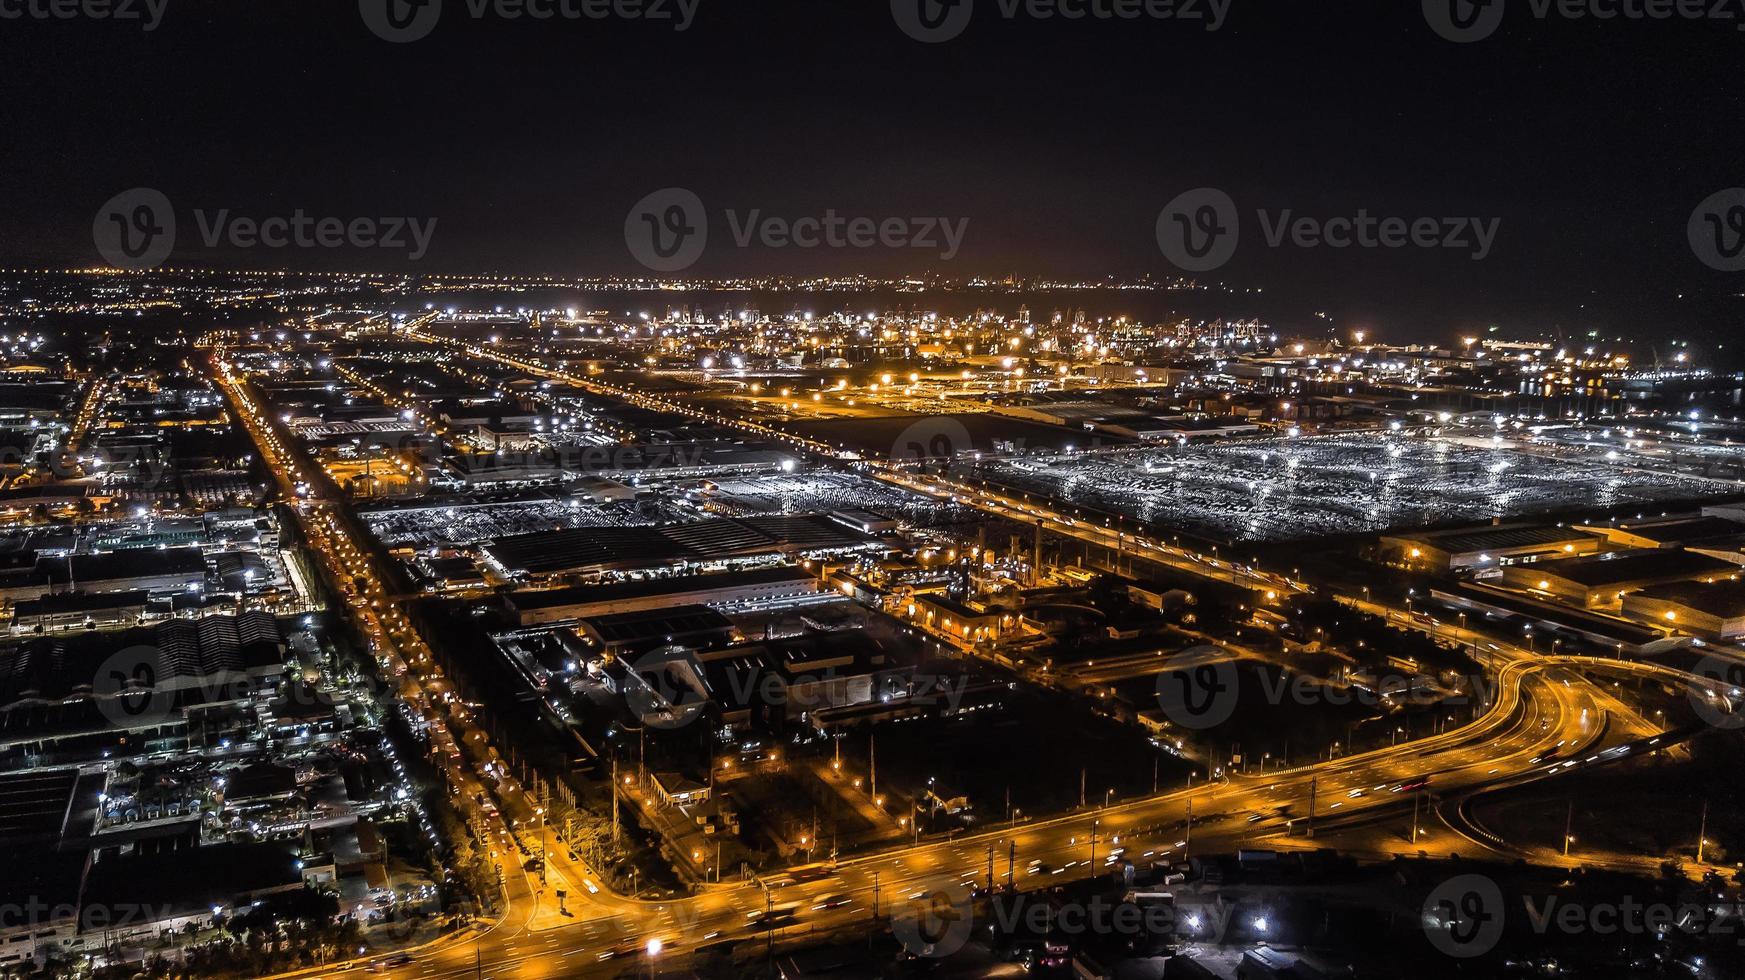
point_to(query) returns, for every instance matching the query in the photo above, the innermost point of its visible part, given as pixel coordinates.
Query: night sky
(1059, 140)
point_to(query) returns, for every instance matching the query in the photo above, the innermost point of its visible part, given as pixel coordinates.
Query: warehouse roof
(655, 627)
(669, 585)
(1618, 567)
(60, 603)
(137, 563)
(603, 548)
(1501, 538)
(1724, 597)
(1684, 529)
(180, 649)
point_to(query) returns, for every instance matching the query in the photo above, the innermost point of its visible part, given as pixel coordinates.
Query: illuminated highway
(1542, 709)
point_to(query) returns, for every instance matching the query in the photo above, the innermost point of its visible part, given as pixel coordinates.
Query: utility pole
(1081, 789)
(1313, 780)
(1568, 825)
(769, 904)
(872, 753)
(1703, 831)
(875, 902)
(614, 799)
(990, 866)
(1011, 859)
(1154, 775)
(1415, 794)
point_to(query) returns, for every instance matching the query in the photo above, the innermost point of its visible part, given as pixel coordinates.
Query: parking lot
(821, 493)
(460, 525)
(1276, 488)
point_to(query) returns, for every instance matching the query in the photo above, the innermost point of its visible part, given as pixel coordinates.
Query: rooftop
(137, 563)
(1684, 529)
(1507, 537)
(35, 804)
(667, 585)
(1724, 597)
(714, 539)
(954, 607)
(1619, 567)
(182, 649)
(75, 602)
(657, 625)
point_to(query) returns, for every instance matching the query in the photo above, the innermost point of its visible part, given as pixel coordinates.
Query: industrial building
(628, 634)
(1487, 547)
(720, 588)
(150, 569)
(775, 684)
(79, 610)
(206, 677)
(1715, 610)
(1676, 532)
(1603, 579)
(866, 521)
(694, 544)
(941, 614)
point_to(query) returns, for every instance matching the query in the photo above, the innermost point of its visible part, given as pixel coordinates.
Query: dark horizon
(522, 145)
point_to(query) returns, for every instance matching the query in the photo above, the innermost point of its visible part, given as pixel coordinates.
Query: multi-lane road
(1544, 717)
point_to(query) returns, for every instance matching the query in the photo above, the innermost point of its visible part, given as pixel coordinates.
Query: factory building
(1677, 532)
(720, 588)
(1715, 610)
(1601, 580)
(716, 542)
(1486, 548)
